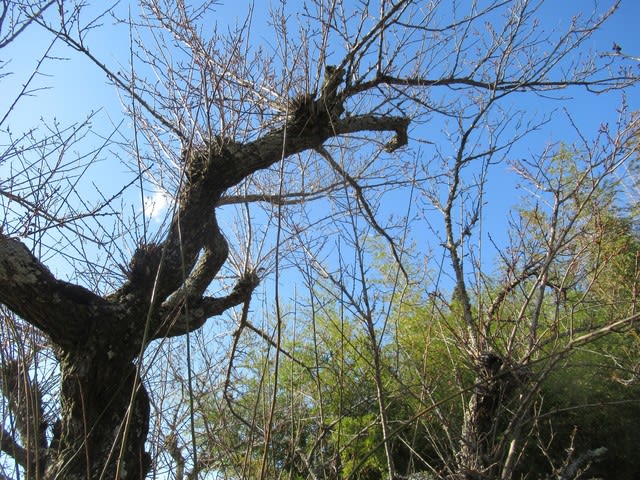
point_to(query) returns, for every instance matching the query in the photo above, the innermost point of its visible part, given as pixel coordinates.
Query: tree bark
(104, 412)
(475, 458)
(497, 385)
(104, 421)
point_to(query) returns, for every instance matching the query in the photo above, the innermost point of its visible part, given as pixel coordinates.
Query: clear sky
(69, 88)
(77, 87)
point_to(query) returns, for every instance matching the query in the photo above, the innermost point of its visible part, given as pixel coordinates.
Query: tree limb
(295, 138)
(31, 291)
(11, 447)
(184, 320)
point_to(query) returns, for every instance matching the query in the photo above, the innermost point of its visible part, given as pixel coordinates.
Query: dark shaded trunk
(104, 420)
(477, 457)
(489, 418)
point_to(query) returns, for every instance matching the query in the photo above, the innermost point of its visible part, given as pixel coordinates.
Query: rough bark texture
(496, 386)
(99, 436)
(104, 411)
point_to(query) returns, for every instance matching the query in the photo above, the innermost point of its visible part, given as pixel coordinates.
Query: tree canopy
(319, 240)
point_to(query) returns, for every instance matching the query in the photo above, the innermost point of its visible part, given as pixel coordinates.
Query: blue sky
(76, 86)
(72, 88)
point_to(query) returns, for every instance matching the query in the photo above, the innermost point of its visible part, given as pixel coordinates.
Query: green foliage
(327, 419)
(586, 406)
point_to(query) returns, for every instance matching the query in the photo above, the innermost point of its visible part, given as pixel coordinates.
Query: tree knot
(247, 284)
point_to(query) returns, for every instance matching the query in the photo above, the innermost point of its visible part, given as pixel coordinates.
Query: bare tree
(325, 107)
(512, 361)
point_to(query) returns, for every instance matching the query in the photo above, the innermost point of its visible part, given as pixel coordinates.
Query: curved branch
(296, 138)
(11, 447)
(179, 321)
(30, 290)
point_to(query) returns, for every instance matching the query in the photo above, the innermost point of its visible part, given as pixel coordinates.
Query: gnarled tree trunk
(104, 420)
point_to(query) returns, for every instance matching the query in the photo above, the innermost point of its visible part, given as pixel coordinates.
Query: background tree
(280, 153)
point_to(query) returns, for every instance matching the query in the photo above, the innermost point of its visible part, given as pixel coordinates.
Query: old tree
(297, 128)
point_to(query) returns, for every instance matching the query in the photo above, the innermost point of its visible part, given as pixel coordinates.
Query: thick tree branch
(203, 273)
(211, 170)
(31, 291)
(181, 320)
(11, 447)
(296, 138)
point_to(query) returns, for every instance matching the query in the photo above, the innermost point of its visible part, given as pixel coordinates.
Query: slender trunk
(476, 453)
(487, 435)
